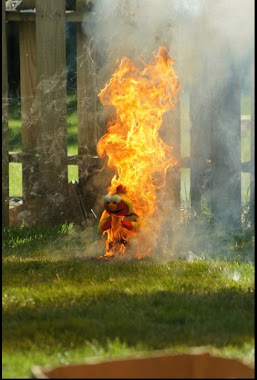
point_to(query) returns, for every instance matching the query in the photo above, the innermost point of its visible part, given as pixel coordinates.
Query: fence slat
(27, 34)
(5, 159)
(252, 176)
(86, 108)
(171, 134)
(51, 97)
(226, 150)
(199, 140)
(175, 141)
(86, 90)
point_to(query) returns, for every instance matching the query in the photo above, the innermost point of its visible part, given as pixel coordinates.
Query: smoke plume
(199, 33)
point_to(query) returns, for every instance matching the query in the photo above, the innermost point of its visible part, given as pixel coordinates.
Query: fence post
(226, 148)
(27, 36)
(175, 173)
(86, 106)
(252, 173)
(51, 97)
(5, 158)
(199, 140)
(171, 134)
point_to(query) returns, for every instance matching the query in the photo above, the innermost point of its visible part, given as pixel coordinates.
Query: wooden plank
(5, 159)
(86, 90)
(226, 150)
(86, 103)
(252, 197)
(32, 159)
(23, 157)
(27, 4)
(70, 16)
(74, 159)
(27, 32)
(175, 141)
(16, 16)
(51, 96)
(171, 134)
(199, 140)
(78, 16)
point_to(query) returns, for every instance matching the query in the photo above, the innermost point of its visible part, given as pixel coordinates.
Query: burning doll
(118, 220)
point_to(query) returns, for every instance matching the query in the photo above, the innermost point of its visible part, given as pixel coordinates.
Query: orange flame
(134, 148)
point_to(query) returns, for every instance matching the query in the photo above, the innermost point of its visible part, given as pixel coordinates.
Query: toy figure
(118, 220)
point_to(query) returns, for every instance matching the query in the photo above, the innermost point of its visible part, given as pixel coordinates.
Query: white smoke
(220, 33)
(193, 29)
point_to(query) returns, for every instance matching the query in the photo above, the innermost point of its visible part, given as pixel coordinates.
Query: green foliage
(60, 308)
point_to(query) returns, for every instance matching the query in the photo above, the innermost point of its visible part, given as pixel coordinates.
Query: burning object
(118, 220)
(133, 146)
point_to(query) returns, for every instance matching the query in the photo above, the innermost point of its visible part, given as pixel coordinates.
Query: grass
(61, 306)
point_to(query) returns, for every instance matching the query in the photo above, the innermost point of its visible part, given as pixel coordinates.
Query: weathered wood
(86, 103)
(70, 16)
(27, 31)
(226, 149)
(16, 16)
(77, 159)
(171, 134)
(252, 176)
(51, 96)
(5, 160)
(71, 159)
(199, 140)
(27, 4)
(23, 157)
(86, 90)
(78, 16)
(175, 180)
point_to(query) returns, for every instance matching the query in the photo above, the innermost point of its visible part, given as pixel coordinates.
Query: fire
(132, 144)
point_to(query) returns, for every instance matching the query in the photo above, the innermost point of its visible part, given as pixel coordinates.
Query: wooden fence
(44, 132)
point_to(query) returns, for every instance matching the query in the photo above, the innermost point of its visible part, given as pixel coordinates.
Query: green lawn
(61, 305)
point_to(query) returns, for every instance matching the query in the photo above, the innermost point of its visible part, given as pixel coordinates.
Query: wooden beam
(226, 149)
(78, 16)
(252, 197)
(75, 159)
(171, 134)
(27, 31)
(199, 139)
(51, 96)
(27, 4)
(70, 16)
(23, 157)
(5, 160)
(17, 16)
(72, 159)
(86, 103)
(86, 90)
(175, 141)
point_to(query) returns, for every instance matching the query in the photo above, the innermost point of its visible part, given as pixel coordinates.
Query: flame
(132, 144)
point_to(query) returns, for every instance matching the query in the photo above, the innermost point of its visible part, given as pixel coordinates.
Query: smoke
(194, 30)
(205, 37)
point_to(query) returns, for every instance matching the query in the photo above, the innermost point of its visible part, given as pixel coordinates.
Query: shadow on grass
(154, 320)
